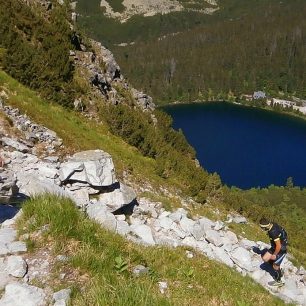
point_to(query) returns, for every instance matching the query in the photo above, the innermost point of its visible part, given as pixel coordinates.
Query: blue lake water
(247, 147)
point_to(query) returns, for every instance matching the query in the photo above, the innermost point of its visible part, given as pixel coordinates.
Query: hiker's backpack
(284, 239)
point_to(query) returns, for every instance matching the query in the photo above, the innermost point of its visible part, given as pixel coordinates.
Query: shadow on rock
(127, 209)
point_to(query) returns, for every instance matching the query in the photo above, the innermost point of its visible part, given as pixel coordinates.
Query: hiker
(278, 250)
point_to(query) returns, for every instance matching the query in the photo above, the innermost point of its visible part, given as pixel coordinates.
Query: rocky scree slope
(89, 179)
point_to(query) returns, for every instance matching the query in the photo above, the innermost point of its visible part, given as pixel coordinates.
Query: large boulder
(94, 167)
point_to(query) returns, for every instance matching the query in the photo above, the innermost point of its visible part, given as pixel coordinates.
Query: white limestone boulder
(242, 258)
(223, 257)
(214, 237)
(17, 247)
(99, 213)
(122, 228)
(144, 232)
(19, 294)
(198, 231)
(94, 167)
(206, 223)
(7, 235)
(230, 238)
(16, 266)
(186, 225)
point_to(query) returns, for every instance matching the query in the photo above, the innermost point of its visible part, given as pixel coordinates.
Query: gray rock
(4, 249)
(223, 257)
(118, 197)
(123, 228)
(8, 187)
(16, 266)
(17, 247)
(242, 258)
(140, 270)
(144, 233)
(32, 185)
(301, 271)
(178, 214)
(94, 167)
(257, 275)
(240, 219)
(163, 286)
(62, 295)
(18, 294)
(186, 225)
(15, 144)
(218, 226)
(198, 231)
(4, 277)
(247, 244)
(165, 222)
(99, 213)
(231, 237)
(7, 235)
(189, 241)
(206, 223)
(214, 237)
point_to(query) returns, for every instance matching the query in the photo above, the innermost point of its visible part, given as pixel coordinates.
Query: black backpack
(284, 239)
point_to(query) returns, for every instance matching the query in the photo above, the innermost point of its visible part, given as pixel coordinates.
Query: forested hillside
(243, 47)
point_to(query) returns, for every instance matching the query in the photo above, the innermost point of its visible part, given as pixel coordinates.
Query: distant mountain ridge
(129, 8)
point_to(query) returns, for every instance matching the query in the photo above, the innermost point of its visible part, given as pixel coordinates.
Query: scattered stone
(62, 296)
(163, 286)
(144, 233)
(242, 258)
(214, 237)
(19, 294)
(189, 254)
(17, 247)
(16, 266)
(140, 270)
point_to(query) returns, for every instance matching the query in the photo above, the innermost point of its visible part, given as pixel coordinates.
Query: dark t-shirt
(275, 233)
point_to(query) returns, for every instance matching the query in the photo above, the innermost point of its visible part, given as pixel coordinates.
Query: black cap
(264, 222)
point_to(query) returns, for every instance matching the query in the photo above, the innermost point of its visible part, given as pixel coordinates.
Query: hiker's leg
(266, 257)
(276, 266)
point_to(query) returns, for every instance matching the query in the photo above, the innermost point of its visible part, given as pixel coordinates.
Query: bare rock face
(93, 167)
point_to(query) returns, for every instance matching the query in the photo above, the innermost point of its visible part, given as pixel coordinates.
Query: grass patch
(93, 251)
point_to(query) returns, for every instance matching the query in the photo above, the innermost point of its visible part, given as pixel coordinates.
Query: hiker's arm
(277, 248)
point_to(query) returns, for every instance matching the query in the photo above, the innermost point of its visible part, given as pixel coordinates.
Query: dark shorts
(279, 257)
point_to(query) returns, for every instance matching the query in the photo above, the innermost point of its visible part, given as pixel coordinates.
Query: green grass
(92, 251)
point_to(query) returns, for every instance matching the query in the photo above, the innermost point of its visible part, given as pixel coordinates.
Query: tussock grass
(92, 251)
